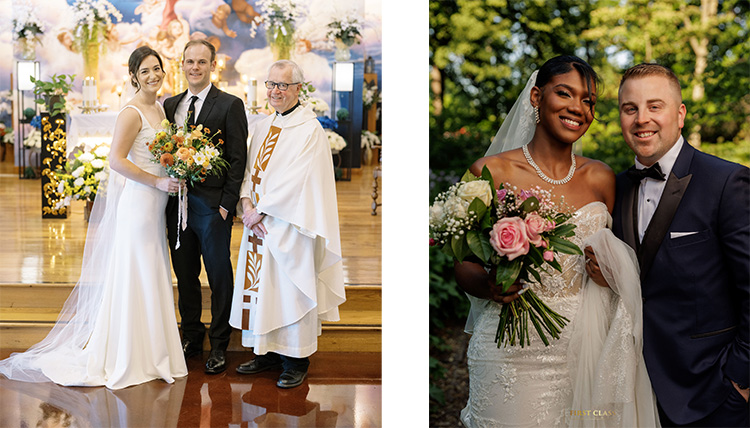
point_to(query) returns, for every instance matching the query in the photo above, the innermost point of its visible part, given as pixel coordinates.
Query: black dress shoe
(190, 348)
(257, 365)
(217, 362)
(291, 378)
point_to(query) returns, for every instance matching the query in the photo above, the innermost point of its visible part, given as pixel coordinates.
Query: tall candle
(252, 92)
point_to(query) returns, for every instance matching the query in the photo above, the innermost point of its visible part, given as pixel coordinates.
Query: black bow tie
(654, 171)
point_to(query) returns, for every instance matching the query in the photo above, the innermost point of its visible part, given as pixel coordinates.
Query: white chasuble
(289, 282)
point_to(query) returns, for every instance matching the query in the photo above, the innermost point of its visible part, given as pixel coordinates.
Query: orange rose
(166, 160)
(183, 154)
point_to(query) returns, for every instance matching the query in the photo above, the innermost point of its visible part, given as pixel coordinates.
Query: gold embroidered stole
(254, 256)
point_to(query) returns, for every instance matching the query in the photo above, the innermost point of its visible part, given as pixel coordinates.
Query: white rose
(79, 182)
(436, 213)
(102, 151)
(97, 163)
(476, 189)
(78, 172)
(86, 157)
(101, 175)
(456, 206)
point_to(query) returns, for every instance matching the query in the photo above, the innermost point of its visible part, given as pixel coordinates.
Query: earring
(536, 113)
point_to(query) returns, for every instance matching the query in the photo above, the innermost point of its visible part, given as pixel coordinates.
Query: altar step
(28, 312)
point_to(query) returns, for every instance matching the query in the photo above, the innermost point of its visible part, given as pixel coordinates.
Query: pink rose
(501, 194)
(508, 237)
(535, 225)
(549, 256)
(550, 226)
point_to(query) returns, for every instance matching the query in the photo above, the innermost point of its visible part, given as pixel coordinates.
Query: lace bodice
(588, 219)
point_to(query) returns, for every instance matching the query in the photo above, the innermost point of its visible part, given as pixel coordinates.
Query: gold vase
(87, 210)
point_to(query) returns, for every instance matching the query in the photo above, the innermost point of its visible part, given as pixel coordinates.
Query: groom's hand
(745, 393)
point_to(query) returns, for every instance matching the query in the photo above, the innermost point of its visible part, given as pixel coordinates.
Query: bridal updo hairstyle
(563, 64)
(136, 58)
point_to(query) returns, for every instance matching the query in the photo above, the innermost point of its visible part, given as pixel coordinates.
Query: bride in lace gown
(118, 327)
(556, 385)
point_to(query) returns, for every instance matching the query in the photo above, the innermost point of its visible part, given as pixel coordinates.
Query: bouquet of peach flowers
(517, 234)
(187, 153)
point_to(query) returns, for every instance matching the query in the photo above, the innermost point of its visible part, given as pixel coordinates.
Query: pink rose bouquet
(518, 233)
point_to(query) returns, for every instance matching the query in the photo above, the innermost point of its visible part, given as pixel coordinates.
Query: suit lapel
(208, 104)
(674, 190)
(170, 106)
(629, 207)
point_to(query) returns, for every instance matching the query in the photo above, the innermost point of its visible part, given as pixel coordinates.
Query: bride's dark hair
(136, 58)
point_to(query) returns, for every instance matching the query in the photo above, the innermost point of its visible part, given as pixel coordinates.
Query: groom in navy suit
(687, 215)
(211, 207)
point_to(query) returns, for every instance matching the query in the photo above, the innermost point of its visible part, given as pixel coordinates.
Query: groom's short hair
(651, 69)
(203, 42)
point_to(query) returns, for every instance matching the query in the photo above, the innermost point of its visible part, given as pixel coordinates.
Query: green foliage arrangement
(57, 86)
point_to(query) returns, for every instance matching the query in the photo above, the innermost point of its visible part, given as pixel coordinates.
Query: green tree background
(482, 53)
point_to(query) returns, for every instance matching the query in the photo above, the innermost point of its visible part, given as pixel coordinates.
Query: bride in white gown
(118, 327)
(594, 374)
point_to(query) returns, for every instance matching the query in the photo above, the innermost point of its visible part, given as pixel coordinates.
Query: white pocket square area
(675, 235)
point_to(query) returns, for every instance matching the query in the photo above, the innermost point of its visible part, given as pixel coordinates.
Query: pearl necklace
(543, 176)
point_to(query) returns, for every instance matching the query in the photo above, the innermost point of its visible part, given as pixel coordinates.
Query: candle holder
(254, 108)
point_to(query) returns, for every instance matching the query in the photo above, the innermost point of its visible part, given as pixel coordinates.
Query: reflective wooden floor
(343, 389)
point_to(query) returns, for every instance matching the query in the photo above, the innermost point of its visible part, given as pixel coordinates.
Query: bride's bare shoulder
(499, 165)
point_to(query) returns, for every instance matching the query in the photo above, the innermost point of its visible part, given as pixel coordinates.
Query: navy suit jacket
(226, 113)
(695, 287)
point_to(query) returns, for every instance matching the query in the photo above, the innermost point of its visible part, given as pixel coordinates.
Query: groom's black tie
(654, 171)
(191, 110)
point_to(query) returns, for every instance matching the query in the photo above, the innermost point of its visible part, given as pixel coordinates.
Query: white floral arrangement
(26, 24)
(369, 139)
(82, 175)
(370, 94)
(279, 17)
(92, 18)
(33, 140)
(348, 30)
(335, 140)
(319, 105)
(9, 136)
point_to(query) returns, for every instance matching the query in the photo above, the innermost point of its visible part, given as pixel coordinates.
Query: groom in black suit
(211, 206)
(687, 215)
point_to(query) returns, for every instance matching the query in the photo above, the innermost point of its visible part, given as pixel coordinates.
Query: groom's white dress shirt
(650, 190)
(182, 108)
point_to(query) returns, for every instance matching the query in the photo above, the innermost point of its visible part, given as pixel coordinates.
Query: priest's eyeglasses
(282, 86)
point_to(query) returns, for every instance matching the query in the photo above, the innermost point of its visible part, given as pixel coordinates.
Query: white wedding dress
(594, 375)
(118, 328)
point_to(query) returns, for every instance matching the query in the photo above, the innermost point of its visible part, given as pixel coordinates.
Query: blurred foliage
(482, 53)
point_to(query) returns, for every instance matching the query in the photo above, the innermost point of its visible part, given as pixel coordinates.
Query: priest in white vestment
(289, 273)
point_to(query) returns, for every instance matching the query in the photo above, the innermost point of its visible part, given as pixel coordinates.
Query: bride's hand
(513, 292)
(592, 268)
(167, 184)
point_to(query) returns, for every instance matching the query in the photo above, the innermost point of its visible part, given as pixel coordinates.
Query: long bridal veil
(74, 325)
